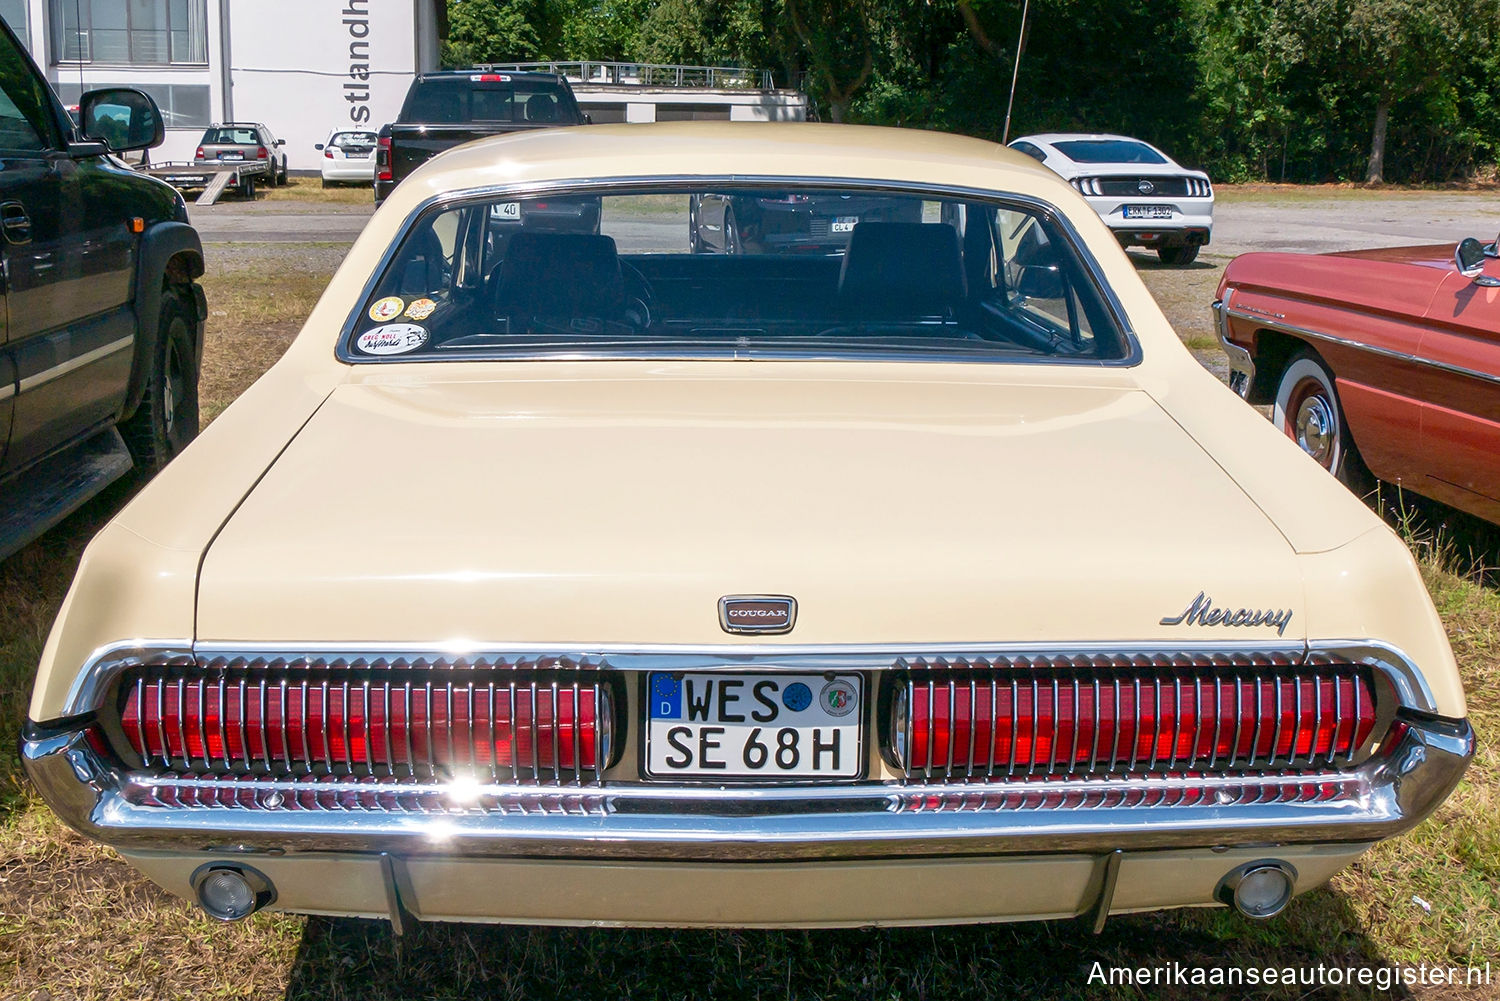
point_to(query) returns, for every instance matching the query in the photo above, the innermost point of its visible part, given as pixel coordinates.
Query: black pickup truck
(443, 110)
(101, 316)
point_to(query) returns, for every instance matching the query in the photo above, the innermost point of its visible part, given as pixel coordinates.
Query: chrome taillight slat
(548, 726)
(1142, 720)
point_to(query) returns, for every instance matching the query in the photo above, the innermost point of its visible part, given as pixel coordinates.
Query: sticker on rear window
(420, 309)
(387, 309)
(391, 339)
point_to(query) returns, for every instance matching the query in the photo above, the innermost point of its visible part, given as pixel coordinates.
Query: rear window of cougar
(737, 272)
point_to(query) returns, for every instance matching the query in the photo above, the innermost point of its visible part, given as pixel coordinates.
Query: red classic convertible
(1377, 362)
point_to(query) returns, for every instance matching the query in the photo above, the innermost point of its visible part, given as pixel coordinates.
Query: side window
(1037, 281)
(25, 106)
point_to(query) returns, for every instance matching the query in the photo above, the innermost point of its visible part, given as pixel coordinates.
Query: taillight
(328, 153)
(383, 159)
(198, 155)
(261, 153)
(379, 727)
(1132, 722)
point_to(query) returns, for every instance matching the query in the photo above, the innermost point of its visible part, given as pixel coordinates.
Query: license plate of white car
(711, 725)
(1148, 212)
(505, 210)
(845, 223)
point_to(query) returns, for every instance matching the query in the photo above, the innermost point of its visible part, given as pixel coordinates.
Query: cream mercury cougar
(871, 554)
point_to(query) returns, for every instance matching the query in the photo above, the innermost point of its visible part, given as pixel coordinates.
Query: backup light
(1259, 889)
(231, 892)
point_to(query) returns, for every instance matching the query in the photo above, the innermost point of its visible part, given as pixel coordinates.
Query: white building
(648, 92)
(302, 67)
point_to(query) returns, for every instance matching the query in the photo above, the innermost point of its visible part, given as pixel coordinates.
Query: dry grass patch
(310, 190)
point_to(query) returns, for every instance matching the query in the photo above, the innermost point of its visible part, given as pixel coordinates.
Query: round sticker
(420, 309)
(797, 697)
(837, 698)
(391, 339)
(387, 309)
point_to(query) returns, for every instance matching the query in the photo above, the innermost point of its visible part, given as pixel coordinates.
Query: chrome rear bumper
(1384, 796)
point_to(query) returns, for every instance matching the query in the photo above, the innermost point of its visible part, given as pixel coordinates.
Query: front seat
(560, 280)
(901, 271)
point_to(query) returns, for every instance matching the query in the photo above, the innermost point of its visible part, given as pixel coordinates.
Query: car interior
(970, 276)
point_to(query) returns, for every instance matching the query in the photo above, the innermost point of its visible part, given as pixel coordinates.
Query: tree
(836, 36)
(485, 31)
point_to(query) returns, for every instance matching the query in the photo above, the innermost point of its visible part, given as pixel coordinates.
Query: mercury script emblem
(1202, 612)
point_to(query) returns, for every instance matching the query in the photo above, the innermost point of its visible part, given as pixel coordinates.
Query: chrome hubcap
(169, 403)
(1316, 428)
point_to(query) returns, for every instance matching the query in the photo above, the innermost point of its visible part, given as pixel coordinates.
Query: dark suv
(102, 330)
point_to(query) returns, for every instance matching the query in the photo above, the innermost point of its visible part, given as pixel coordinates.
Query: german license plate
(754, 725)
(1148, 212)
(505, 210)
(845, 224)
(231, 156)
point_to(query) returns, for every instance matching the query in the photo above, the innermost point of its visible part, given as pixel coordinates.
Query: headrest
(541, 108)
(560, 274)
(902, 270)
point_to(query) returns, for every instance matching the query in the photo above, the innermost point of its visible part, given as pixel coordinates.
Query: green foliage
(1247, 89)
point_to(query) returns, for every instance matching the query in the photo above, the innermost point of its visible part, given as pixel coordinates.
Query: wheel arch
(171, 253)
(1273, 352)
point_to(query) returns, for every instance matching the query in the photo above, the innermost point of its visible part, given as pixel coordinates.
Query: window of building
(132, 32)
(183, 106)
(604, 114)
(692, 112)
(15, 14)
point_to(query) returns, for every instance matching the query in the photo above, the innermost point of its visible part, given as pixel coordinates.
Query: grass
(76, 922)
(310, 190)
(1282, 193)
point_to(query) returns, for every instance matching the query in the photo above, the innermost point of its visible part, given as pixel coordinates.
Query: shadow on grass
(33, 583)
(345, 958)
(1145, 261)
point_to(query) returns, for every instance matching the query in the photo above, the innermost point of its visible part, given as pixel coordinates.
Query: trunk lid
(612, 504)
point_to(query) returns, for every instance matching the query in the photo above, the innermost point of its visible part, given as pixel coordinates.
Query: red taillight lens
(261, 153)
(1132, 722)
(383, 159)
(198, 155)
(367, 727)
(328, 153)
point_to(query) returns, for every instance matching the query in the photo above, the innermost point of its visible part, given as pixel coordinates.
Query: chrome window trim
(97, 674)
(1402, 356)
(1046, 210)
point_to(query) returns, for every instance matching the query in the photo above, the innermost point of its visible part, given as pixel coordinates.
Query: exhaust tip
(230, 892)
(1259, 889)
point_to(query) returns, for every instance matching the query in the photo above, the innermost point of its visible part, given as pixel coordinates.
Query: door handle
(15, 223)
